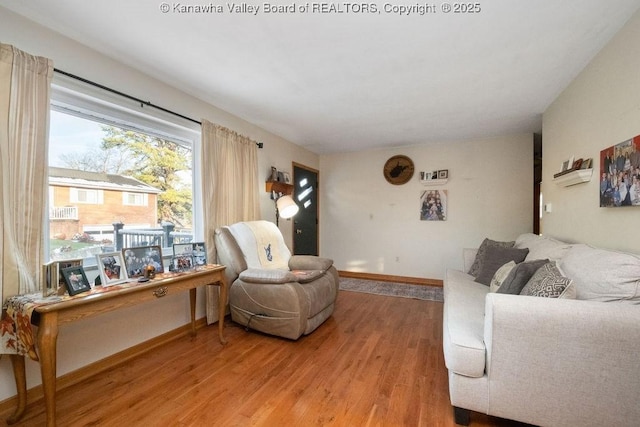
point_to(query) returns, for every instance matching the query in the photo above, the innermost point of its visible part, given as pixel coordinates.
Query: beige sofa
(271, 290)
(548, 361)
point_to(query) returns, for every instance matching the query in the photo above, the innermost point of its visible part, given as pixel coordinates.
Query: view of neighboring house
(90, 202)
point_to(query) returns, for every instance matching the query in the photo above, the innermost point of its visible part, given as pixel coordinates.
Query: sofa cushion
(547, 281)
(603, 275)
(495, 257)
(479, 260)
(519, 276)
(501, 274)
(463, 324)
(542, 247)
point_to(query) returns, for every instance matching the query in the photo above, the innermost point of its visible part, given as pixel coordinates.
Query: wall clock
(398, 170)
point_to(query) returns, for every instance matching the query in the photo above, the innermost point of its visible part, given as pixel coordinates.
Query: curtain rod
(133, 98)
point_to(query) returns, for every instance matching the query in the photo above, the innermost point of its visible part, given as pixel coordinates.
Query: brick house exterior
(89, 202)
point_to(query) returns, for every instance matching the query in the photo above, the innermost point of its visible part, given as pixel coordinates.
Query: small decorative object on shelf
(437, 177)
(571, 165)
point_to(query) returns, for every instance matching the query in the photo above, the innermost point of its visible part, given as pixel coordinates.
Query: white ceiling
(334, 82)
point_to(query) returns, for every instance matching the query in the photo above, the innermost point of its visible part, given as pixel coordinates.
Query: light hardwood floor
(376, 362)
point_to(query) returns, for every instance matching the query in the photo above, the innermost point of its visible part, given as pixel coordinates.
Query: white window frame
(83, 100)
(74, 196)
(142, 197)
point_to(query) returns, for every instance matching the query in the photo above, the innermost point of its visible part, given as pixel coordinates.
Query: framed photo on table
(138, 260)
(112, 268)
(53, 282)
(76, 280)
(181, 263)
(197, 250)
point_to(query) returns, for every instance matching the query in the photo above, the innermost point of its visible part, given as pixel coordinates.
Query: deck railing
(63, 212)
(163, 236)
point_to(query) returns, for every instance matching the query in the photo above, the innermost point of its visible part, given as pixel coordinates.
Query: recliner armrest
(267, 276)
(309, 262)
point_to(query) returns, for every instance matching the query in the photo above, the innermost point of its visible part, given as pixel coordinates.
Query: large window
(117, 178)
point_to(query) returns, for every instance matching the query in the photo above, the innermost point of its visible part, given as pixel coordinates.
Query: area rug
(403, 290)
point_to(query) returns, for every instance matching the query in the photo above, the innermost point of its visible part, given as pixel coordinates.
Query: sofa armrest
(309, 262)
(578, 357)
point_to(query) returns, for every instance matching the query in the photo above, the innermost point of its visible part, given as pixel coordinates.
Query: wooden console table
(80, 307)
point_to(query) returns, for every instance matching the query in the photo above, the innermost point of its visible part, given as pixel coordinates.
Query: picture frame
(138, 260)
(433, 205)
(587, 163)
(567, 164)
(198, 250)
(577, 164)
(287, 177)
(443, 174)
(182, 263)
(112, 268)
(75, 280)
(53, 282)
(619, 174)
(49, 279)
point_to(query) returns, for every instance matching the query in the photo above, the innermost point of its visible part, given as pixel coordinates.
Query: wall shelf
(279, 187)
(431, 182)
(575, 177)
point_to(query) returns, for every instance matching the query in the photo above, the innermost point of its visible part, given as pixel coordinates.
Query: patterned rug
(404, 290)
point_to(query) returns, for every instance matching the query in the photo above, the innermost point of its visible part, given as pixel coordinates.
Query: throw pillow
(500, 275)
(496, 257)
(480, 255)
(547, 281)
(519, 276)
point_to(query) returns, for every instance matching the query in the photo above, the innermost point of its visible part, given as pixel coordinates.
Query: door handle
(298, 231)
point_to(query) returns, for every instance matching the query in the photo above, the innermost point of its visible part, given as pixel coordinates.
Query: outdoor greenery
(161, 163)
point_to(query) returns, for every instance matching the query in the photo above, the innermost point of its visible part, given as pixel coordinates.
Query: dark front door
(305, 223)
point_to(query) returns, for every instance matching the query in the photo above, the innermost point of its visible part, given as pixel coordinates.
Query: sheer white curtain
(229, 188)
(25, 82)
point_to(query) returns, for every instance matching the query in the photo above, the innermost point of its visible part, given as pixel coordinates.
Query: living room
(367, 225)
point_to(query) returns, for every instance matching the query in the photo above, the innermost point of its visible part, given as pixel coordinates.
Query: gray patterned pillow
(480, 255)
(547, 281)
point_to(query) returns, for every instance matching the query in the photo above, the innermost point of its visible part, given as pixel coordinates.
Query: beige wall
(600, 108)
(369, 225)
(96, 338)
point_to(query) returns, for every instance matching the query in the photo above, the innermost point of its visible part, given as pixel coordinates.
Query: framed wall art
(433, 205)
(620, 174)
